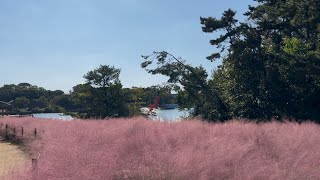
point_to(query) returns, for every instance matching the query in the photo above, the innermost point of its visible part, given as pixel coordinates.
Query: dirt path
(10, 157)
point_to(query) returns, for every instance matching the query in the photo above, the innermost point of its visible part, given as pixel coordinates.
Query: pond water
(162, 115)
(170, 114)
(58, 116)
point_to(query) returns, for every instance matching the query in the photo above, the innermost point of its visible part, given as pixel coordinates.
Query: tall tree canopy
(106, 96)
(270, 68)
(103, 76)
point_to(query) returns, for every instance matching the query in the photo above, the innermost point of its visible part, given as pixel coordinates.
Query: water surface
(58, 116)
(162, 115)
(170, 114)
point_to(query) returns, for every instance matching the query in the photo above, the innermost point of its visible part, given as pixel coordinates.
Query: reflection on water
(170, 114)
(58, 116)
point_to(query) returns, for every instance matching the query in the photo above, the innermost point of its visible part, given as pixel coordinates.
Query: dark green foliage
(28, 98)
(270, 69)
(103, 76)
(106, 98)
(80, 97)
(21, 102)
(194, 81)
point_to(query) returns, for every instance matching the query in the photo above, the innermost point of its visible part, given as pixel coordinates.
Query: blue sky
(53, 43)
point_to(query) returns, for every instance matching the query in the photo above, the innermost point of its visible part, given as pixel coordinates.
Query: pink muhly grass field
(142, 149)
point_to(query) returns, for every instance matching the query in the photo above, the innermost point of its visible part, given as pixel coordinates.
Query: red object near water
(155, 103)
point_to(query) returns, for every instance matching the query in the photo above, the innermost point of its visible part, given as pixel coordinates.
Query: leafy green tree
(80, 97)
(41, 102)
(30, 98)
(103, 76)
(63, 102)
(107, 99)
(134, 99)
(24, 85)
(194, 80)
(291, 44)
(21, 102)
(270, 69)
(183, 99)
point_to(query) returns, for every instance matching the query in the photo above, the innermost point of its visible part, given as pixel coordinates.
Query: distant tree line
(270, 64)
(30, 98)
(101, 96)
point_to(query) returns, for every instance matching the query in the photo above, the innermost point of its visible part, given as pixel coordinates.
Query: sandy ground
(10, 157)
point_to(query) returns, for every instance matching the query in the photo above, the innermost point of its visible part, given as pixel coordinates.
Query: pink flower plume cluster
(142, 149)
